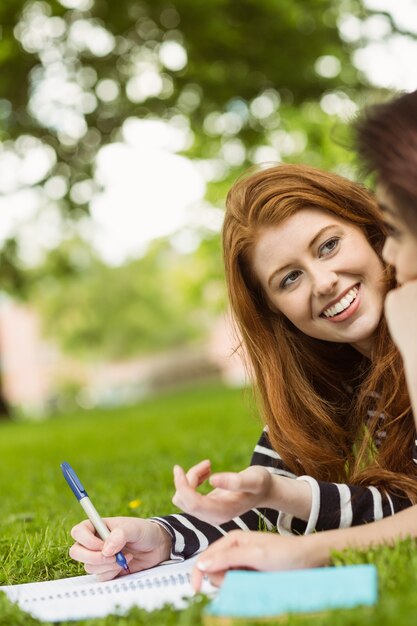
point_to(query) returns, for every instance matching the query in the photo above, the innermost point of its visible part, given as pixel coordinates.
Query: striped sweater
(333, 506)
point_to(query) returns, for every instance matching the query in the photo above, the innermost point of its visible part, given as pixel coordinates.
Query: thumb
(226, 480)
(250, 483)
(250, 480)
(114, 542)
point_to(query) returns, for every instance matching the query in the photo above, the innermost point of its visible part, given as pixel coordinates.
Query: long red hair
(314, 394)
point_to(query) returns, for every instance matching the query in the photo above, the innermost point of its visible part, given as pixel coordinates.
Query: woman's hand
(234, 493)
(269, 551)
(249, 550)
(144, 543)
(400, 311)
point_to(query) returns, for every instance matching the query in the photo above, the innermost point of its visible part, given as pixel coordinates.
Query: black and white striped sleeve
(333, 505)
(340, 506)
(191, 535)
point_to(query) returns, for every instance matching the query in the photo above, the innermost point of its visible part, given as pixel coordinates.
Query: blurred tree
(152, 303)
(241, 75)
(244, 80)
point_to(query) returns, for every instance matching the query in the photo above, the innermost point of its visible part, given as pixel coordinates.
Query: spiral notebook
(83, 597)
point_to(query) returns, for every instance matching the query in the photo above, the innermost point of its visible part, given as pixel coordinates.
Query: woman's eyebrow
(320, 233)
(310, 245)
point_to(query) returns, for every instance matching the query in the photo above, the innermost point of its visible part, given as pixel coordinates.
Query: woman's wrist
(164, 541)
(290, 496)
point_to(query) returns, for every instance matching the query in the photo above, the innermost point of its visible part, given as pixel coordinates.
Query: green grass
(128, 454)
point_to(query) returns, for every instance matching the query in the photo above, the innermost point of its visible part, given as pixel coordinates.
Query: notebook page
(83, 597)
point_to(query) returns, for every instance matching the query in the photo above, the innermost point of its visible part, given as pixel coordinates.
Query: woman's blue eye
(290, 278)
(330, 245)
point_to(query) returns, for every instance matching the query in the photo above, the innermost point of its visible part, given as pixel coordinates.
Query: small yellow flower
(134, 504)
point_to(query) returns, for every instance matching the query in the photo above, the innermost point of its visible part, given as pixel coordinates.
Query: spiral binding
(118, 586)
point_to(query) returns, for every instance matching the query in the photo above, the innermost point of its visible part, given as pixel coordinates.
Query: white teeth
(343, 303)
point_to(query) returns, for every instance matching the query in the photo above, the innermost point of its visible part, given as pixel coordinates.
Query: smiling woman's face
(322, 274)
(400, 249)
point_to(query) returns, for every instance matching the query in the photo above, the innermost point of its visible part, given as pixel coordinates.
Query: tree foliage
(246, 80)
(162, 300)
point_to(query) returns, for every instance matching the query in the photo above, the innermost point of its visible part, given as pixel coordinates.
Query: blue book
(250, 594)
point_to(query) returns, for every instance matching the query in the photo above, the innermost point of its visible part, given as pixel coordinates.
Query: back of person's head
(386, 137)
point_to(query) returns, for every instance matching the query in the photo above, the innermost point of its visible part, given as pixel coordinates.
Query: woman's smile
(345, 306)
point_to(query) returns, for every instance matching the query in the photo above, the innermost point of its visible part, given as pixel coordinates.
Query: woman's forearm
(317, 548)
(327, 505)
(270, 551)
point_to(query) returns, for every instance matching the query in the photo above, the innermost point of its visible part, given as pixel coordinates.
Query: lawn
(127, 454)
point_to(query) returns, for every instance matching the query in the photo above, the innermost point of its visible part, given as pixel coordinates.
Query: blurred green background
(122, 125)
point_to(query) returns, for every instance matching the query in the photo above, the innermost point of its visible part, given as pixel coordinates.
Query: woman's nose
(324, 282)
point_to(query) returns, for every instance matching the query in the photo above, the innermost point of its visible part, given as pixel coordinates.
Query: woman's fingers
(238, 549)
(208, 508)
(185, 496)
(84, 534)
(90, 557)
(216, 578)
(251, 480)
(233, 557)
(197, 579)
(253, 550)
(115, 542)
(107, 566)
(234, 493)
(102, 569)
(197, 474)
(217, 507)
(183, 490)
(227, 480)
(234, 540)
(102, 574)
(210, 562)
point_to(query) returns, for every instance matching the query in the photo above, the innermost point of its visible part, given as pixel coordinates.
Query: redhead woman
(306, 284)
(387, 143)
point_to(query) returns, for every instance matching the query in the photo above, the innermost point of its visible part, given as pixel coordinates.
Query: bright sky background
(150, 193)
(148, 189)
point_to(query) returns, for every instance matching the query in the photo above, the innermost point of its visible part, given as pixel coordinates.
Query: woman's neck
(364, 347)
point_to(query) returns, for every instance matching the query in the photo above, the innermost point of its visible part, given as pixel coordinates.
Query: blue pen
(92, 514)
